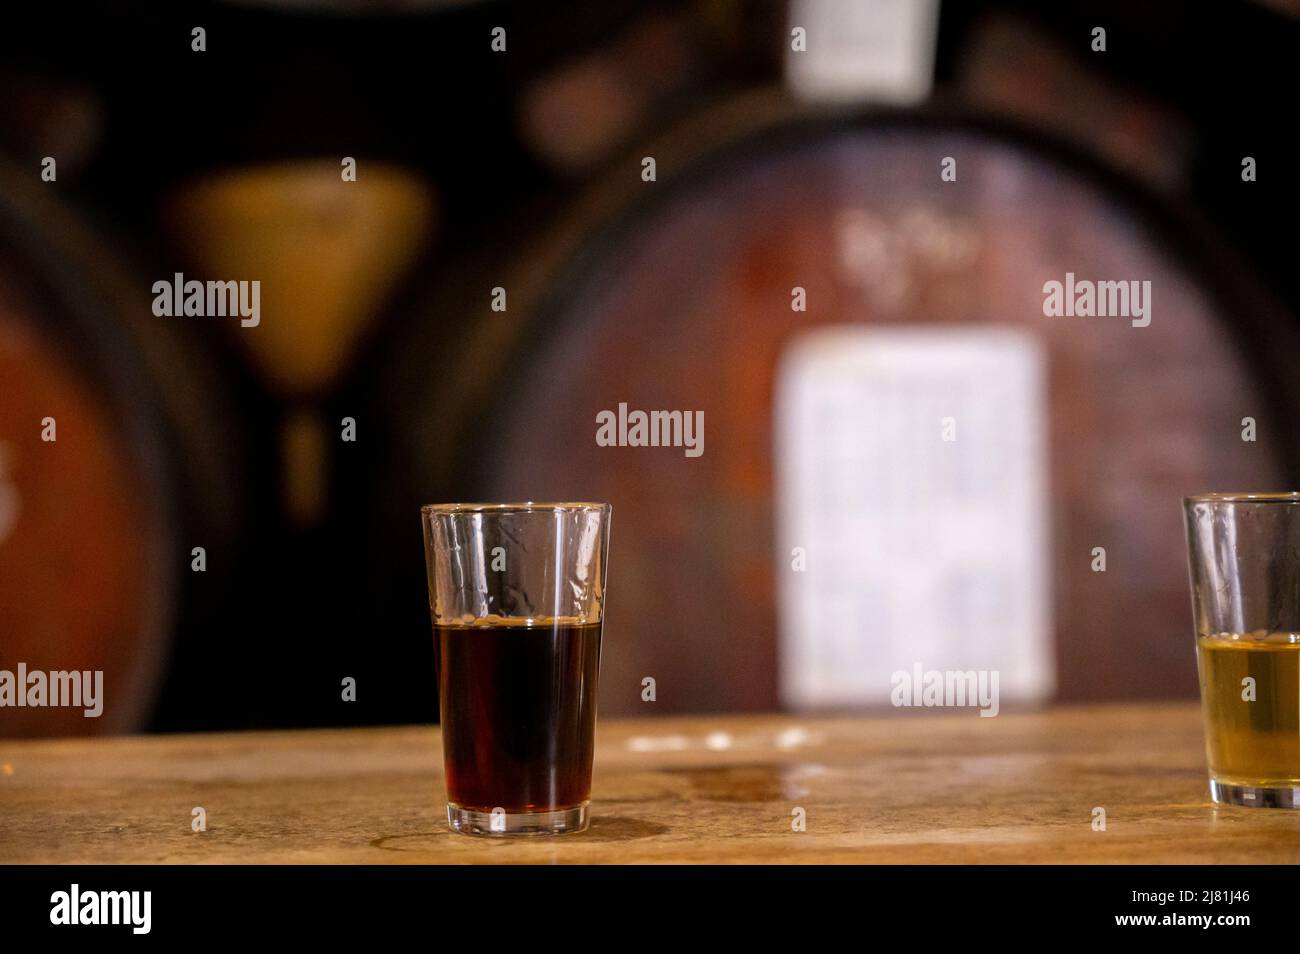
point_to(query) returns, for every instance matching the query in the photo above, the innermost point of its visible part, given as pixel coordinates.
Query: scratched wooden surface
(907, 787)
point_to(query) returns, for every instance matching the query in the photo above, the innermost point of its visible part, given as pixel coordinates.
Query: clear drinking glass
(517, 593)
(1244, 555)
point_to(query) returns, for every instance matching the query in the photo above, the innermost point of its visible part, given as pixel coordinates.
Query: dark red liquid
(518, 714)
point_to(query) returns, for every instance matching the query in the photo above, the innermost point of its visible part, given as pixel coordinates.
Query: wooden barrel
(116, 459)
(677, 294)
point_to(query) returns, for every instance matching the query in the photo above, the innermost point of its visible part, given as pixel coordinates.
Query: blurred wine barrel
(115, 459)
(676, 294)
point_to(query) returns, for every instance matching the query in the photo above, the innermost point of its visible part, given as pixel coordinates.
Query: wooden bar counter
(903, 787)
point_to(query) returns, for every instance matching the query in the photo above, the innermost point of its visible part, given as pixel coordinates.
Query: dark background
(135, 115)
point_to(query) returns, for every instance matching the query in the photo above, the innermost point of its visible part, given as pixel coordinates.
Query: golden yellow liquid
(1251, 743)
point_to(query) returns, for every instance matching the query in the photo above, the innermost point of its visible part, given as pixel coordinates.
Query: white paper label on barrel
(851, 51)
(912, 520)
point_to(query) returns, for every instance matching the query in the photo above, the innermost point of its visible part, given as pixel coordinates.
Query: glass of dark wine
(517, 595)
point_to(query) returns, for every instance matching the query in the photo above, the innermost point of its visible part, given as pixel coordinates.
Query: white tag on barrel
(912, 518)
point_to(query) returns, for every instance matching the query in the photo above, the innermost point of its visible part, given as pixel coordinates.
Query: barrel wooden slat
(676, 294)
(97, 524)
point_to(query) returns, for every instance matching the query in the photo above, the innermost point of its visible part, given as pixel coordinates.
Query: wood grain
(906, 787)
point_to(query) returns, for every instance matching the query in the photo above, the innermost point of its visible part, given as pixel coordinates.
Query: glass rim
(522, 506)
(1247, 497)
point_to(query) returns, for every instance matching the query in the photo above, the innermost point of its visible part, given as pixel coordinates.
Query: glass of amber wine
(1244, 557)
(517, 593)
